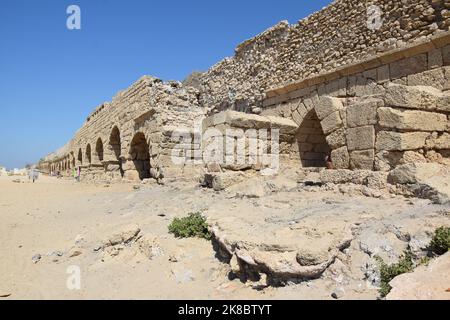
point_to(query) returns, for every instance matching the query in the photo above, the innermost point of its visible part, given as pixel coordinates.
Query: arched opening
(99, 149)
(116, 147)
(312, 144)
(88, 153)
(114, 142)
(80, 156)
(140, 155)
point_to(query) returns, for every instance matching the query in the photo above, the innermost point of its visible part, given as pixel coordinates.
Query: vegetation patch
(194, 225)
(440, 243)
(389, 272)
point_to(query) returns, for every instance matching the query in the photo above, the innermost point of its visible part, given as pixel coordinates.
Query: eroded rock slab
(430, 282)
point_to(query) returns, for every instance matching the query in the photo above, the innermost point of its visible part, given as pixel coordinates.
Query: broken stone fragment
(36, 258)
(148, 245)
(75, 252)
(127, 234)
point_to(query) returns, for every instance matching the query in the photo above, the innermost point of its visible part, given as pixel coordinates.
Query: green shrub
(193, 225)
(389, 272)
(440, 243)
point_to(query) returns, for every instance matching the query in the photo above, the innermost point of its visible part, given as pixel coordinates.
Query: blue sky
(51, 78)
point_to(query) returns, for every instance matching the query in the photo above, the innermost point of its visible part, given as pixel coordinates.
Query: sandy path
(56, 215)
(49, 215)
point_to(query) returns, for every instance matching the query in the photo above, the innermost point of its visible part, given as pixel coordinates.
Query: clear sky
(51, 78)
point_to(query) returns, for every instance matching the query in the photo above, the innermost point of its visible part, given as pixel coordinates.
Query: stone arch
(115, 142)
(99, 149)
(311, 141)
(140, 155)
(88, 153)
(115, 147)
(80, 157)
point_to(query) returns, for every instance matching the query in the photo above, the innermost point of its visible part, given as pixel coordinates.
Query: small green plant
(440, 243)
(424, 261)
(389, 272)
(193, 225)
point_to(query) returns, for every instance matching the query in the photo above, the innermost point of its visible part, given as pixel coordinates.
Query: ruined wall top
(345, 32)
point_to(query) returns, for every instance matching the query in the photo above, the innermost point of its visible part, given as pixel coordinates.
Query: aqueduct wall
(336, 83)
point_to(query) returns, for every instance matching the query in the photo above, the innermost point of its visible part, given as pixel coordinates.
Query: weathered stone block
(331, 123)
(446, 55)
(433, 78)
(361, 138)
(362, 160)
(443, 103)
(285, 125)
(340, 158)
(413, 173)
(383, 74)
(337, 88)
(296, 117)
(411, 97)
(395, 141)
(435, 59)
(337, 138)
(408, 66)
(412, 120)
(363, 114)
(327, 105)
(439, 142)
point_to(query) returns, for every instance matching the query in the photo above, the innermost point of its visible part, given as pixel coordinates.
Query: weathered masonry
(368, 98)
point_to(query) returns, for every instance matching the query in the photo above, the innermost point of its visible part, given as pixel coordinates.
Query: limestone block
(362, 160)
(340, 158)
(363, 114)
(433, 78)
(446, 55)
(412, 120)
(298, 119)
(435, 59)
(412, 157)
(408, 66)
(245, 120)
(395, 141)
(285, 125)
(443, 103)
(361, 138)
(337, 138)
(383, 74)
(414, 173)
(337, 88)
(439, 142)
(326, 106)
(331, 123)
(411, 97)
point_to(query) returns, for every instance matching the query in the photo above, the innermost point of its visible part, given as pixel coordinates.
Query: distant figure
(33, 174)
(78, 173)
(74, 173)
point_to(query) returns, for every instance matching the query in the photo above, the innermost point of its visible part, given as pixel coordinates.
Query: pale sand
(48, 215)
(51, 214)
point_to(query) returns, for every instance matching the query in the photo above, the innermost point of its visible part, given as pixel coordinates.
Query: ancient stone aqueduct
(372, 98)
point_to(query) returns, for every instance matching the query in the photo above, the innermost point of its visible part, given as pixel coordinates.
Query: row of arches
(138, 154)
